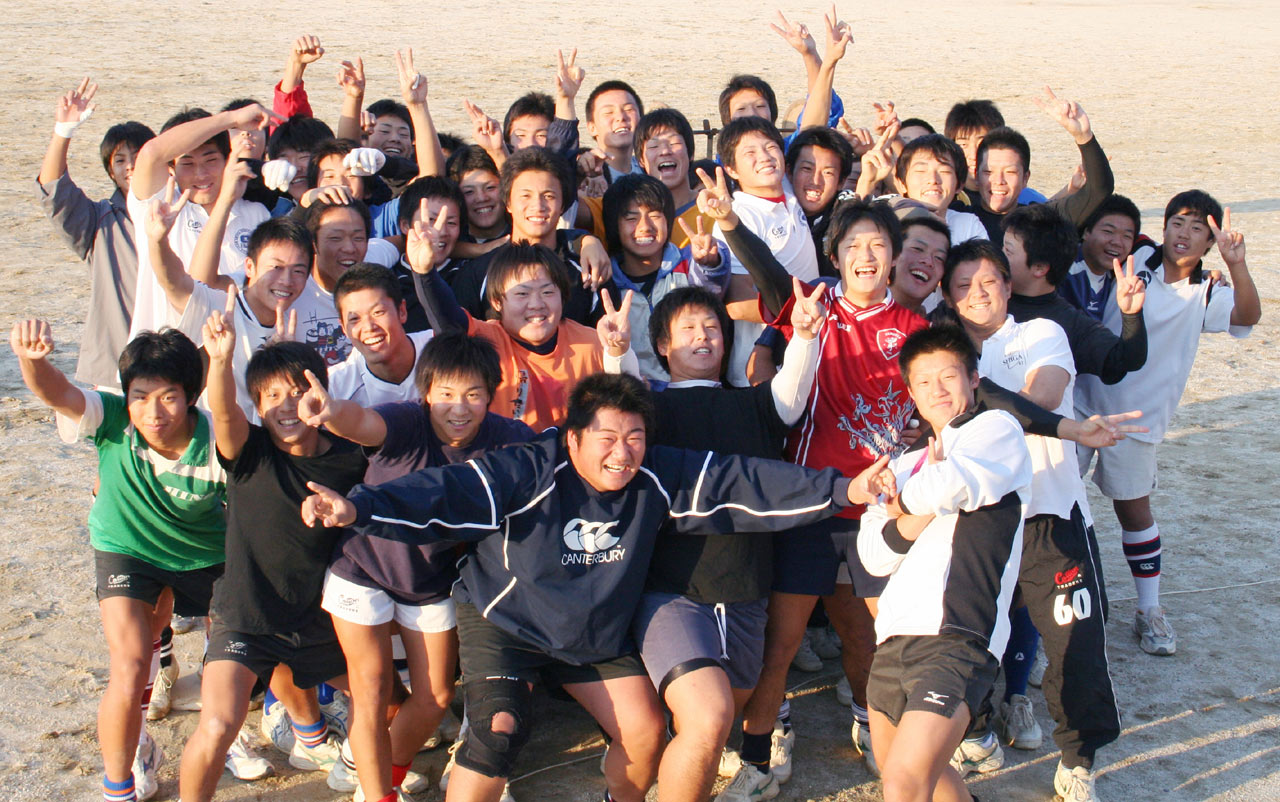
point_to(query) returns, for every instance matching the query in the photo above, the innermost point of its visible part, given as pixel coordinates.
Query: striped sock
(1142, 550)
(146, 691)
(122, 791)
(166, 647)
(860, 714)
(311, 735)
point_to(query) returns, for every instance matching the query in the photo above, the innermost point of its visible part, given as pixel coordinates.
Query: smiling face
(749, 103)
(482, 192)
(374, 324)
(330, 172)
(391, 135)
(529, 131)
(666, 157)
(613, 119)
(930, 180)
(1187, 239)
(277, 405)
(695, 345)
(121, 165)
(535, 206)
(758, 165)
(1111, 238)
(448, 236)
(201, 172)
(864, 257)
(457, 405)
(919, 268)
(969, 142)
(1001, 179)
(276, 277)
(530, 306)
(341, 241)
(815, 178)
(980, 295)
(941, 386)
(158, 410)
(642, 231)
(608, 452)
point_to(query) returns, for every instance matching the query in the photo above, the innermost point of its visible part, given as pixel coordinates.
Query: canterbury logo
(591, 537)
(236, 647)
(118, 581)
(1067, 578)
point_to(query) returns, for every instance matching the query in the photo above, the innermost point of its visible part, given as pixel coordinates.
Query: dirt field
(1180, 95)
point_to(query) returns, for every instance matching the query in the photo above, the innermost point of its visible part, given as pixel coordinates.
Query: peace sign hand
(163, 211)
(839, 36)
(807, 313)
(886, 115)
(327, 507)
(75, 108)
(315, 407)
(424, 243)
(1230, 242)
(1131, 291)
(220, 330)
(485, 129)
(286, 325)
(796, 35)
(413, 84)
(878, 163)
(1068, 114)
(714, 199)
(860, 139)
(569, 75)
(702, 246)
(614, 327)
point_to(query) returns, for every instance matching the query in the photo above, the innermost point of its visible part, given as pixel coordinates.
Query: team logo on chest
(591, 542)
(889, 341)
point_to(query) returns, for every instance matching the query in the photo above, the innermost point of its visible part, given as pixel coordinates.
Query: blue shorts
(806, 561)
(678, 635)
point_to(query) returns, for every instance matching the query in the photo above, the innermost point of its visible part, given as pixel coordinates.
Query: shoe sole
(306, 765)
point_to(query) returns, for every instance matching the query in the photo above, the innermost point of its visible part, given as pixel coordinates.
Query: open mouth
(347, 263)
(919, 275)
(393, 150)
(375, 340)
(642, 241)
(484, 210)
(622, 129)
(666, 167)
(539, 220)
(283, 295)
(866, 272)
(812, 195)
(617, 469)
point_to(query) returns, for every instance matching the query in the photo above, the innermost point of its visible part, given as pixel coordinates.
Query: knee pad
(493, 753)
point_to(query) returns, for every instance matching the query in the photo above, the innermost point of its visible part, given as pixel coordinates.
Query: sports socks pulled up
(1142, 550)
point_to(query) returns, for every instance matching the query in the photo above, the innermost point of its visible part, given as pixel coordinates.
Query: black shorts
(678, 635)
(806, 561)
(312, 653)
(934, 673)
(123, 575)
(486, 651)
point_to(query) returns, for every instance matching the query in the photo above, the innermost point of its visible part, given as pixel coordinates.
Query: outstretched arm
(152, 166)
(230, 426)
(32, 342)
(1248, 307)
(1102, 182)
(343, 417)
(817, 107)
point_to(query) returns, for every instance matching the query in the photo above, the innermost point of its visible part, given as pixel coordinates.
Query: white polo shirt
(352, 380)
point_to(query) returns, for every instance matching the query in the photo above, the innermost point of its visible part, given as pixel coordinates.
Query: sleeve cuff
(894, 540)
(363, 505)
(840, 493)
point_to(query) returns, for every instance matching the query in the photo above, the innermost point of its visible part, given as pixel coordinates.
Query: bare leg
(914, 756)
(701, 702)
(1134, 514)
(855, 623)
(127, 624)
(302, 705)
(432, 657)
(224, 702)
(627, 709)
(369, 666)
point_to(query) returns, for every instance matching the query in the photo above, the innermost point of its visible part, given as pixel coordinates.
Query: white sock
(1142, 550)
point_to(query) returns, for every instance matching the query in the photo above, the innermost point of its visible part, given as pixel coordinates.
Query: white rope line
(1203, 590)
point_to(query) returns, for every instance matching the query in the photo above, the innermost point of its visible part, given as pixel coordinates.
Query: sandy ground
(1180, 94)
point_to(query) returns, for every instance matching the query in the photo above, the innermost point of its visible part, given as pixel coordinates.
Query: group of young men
(385, 411)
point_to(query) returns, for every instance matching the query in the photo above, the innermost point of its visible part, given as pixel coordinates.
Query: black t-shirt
(275, 563)
(717, 568)
(411, 573)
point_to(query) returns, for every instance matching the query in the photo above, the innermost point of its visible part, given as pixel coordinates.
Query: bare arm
(152, 166)
(568, 81)
(32, 342)
(817, 107)
(230, 426)
(207, 256)
(351, 79)
(170, 273)
(1248, 307)
(73, 108)
(413, 85)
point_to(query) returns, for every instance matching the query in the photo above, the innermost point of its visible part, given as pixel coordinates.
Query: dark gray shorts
(934, 673)
(313, 653)
(806, 561)
(123, 575)
(678, 635)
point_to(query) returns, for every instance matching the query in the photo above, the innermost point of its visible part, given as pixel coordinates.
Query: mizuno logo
(935, 698)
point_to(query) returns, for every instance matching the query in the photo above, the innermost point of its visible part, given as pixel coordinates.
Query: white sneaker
(1015, 723)
(243, 762)
(844, 694)
(146, 767)
(750, 784)
(343, 777)
(401, 796)
(1155, 633)
(861, 734)
(277, 728)
(182, 624)
(780, 755)
(806, 660)
(162, 692)
(321, 757)
(730, 762)
(1036, 678)
(1074, 785)
(825, 642)
(337, 713)
(972, 757)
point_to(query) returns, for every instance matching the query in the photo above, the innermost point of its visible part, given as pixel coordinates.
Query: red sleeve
(292, 103)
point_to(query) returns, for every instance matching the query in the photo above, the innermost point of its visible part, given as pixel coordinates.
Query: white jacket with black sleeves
(958, 576)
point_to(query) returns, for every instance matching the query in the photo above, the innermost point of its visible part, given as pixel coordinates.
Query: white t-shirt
(1175, 315)
(782, 226)
(1008, 357)
(150, 305)
(352, 380)
(964, 226)
(381, 252)
(319, 324)
(250, 335)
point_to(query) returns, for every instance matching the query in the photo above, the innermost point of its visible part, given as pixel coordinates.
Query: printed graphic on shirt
(876, 427)
(890, 342)
(591, 543)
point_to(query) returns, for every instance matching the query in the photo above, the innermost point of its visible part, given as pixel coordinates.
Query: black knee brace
(490, 753)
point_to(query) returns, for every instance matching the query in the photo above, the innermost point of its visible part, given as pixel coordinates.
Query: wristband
(66, 129)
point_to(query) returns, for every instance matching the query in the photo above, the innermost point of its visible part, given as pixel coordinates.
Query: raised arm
(1125, 353)
(422, 251)
(771, 279)
(413, 86)
(230, 426)
(343, 417)
(206, 258)
(817, 107)
(792, 384)
(351, 81)
(67, 205)
(32, 342)
(170, 273)
(1101, 181)
(487, 133)
(74, 108)
(1248, 307)
(306, 50)
(797, 36)
(152, 166)
(569, 77)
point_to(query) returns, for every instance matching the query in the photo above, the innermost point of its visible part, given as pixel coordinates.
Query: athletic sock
(784, 716)
(122, 791)
(986, 740)
(1020, 653)
(146, 691)
(1142, 550)
(166, 647)
(756, 749)
(860, 714)
(398, 774)
(349, 760)
(268, 699)
(325, 693)
(391, 797)
(311, 735)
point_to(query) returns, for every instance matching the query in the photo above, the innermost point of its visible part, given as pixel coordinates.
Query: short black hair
(542, 160)
(609, 86)
(638, 188)
(300, 133)
(281, 229)
(220, 140)
(740, 82)
(734, 131)
(679, 299)
(511, 260)
(820, 136)
(425, 188)
(928, 221)
(239, 103)
(941, 148)
(1195, 201)
(620, 391)
(167, 355)
(947, 337)
(973, 250)
(972, 115)
(1047, 236)
(131, 133)
(1008, 139)
(916, 122)
(319, 208)
(849, 213)
(322, 150)
(367, 276)
(388, 107)
(532, 104)
(449, 142)
(283, 359)
(466, 159)
(456, 354)
(666, 119)
(1115, 204)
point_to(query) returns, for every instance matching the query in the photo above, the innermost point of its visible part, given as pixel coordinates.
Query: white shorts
(372, 606)
(1124, 471)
